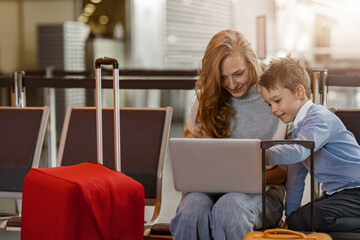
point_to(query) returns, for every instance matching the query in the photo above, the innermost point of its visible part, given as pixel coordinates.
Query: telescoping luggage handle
(98, 63)
(308, 144)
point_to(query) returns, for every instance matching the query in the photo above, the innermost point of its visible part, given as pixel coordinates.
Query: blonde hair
(288, 73)
(215, 110)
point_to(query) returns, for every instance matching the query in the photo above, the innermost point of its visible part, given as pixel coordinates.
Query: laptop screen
(216, 165)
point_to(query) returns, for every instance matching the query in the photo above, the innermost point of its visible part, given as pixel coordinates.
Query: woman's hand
(275, 175)
(198, 133)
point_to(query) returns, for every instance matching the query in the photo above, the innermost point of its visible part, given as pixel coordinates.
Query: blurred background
(171, 34)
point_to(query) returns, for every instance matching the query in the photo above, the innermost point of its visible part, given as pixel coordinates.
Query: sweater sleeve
(191, 129)
(295, 186)
(313, 128)
(191, 125)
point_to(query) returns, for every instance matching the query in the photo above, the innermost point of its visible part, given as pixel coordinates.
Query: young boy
(285, 87)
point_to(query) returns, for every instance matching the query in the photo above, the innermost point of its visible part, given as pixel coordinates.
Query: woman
(229, 104)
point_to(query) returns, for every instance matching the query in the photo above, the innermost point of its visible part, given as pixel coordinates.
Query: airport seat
(351, 119)
(344, 236)
(22, 131)
(144, 137)
(158, 231)
(21, 140)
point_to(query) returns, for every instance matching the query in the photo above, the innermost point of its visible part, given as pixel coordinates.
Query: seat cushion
(344, 235)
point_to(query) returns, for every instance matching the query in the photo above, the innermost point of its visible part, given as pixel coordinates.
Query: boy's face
(284, 103)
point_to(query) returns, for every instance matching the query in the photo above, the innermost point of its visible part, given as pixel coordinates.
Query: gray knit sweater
(253, 116)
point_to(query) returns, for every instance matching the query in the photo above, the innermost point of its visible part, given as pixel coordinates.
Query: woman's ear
(300, 92)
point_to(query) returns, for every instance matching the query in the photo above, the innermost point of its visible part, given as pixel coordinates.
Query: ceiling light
(103, 19)
(87, 14)
(95, 1)
(89, 8)
(83, 19)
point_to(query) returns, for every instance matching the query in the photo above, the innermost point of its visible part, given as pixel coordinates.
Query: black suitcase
(285, 233)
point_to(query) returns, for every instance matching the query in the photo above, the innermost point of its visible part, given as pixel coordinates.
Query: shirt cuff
(290, 208)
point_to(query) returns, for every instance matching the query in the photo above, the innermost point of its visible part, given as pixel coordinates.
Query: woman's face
(234, 75)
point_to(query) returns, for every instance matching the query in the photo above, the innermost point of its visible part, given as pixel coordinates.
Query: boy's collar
(302, 113)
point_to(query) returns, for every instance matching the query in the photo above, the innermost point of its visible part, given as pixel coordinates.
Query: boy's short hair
(288, 72)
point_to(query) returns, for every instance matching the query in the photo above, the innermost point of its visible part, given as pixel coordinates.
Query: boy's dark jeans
(339, 212)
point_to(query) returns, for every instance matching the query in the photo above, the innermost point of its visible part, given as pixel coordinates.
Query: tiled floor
(9, 235)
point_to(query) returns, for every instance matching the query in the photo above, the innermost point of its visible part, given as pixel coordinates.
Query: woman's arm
(313, 128)
(197, 133)
(191, 129)
(275, 175)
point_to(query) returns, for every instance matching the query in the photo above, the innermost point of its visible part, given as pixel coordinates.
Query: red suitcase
(88, 200)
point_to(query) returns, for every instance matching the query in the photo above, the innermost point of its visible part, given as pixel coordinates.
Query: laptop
(216, 165)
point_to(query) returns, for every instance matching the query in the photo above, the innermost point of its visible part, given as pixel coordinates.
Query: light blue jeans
(223, 216)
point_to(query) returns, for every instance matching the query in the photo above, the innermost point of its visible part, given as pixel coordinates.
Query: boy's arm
(313, 129)
(295, 186)
(286, 154)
